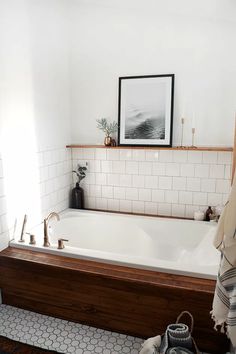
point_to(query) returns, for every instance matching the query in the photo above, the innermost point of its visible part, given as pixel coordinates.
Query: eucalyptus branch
(107, 128)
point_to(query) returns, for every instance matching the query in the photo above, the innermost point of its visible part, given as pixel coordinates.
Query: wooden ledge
(185, 148)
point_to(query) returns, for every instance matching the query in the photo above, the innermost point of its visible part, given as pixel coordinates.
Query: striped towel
(224, 303)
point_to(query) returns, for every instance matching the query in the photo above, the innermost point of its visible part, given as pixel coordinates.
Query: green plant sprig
(107, 128)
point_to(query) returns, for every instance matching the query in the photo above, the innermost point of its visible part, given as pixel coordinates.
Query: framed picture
(146, 110)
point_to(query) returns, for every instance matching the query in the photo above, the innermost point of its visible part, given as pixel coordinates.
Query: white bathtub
(161, 244)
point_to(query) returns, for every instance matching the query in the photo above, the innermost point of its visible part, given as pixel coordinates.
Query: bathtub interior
(180, 245)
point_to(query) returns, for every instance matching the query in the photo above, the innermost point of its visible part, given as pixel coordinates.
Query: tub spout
(46, 242)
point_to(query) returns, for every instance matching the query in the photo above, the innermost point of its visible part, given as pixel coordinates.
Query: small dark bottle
(209, 212)
(77, 197)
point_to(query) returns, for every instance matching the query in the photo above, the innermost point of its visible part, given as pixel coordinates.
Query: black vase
(77, 197)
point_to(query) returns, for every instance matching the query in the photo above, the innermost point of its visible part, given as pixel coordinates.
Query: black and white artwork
(146, 110)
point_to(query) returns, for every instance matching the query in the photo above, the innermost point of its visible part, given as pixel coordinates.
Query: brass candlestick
(193, 136)
(182, 132)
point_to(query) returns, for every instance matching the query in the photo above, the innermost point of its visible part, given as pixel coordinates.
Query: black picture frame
(141, 124)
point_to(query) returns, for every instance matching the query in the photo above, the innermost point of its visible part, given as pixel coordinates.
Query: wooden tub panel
(134, 301)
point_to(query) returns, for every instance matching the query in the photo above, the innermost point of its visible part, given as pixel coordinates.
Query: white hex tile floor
(62, 336)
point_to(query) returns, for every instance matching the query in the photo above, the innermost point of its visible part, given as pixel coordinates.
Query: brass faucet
(23, 229)
(46, 242)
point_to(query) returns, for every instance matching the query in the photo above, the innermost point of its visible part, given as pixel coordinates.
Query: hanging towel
(224, 303)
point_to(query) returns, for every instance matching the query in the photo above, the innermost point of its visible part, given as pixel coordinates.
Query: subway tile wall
(164, 182)
(55, 179)
(55, 182)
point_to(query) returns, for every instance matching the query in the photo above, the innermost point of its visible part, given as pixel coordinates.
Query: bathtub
(168, 245)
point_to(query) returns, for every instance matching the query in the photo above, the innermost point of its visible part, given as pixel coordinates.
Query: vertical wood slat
(234, 153)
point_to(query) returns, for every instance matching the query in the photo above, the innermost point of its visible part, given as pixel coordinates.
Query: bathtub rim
(134, 262)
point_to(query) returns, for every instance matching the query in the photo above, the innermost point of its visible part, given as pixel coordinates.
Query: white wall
(34, 110)
(193, 39)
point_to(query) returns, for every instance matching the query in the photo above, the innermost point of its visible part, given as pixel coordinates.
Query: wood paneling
(134, 301)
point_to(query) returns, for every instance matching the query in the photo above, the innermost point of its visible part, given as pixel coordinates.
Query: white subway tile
(100, 154)
(126, 206)
(228, 171)
(185, 197)
(138, 181)
(150, 208)
(208, 185)
(138, 155)
(47, 158)
(42, 189)
(40, 159)
(49, 187)
(172, 197)
(195, 156)
(90, 202)
(95, 191)
(189, 211)
(125, 180)
(113, 204)
(145, 194)
(113, 179)
(200, 198)
(225, 157)
(126, 154)
(158, 195)
(119, 192)
(202, 170)
(193, 184)
(209, 157)
(90, 178)
(179, 183)
(178, 210)
(106, 166)
(159, 169)
(3, 205)
(101, 203)
(152, 155)
(94, 166)
(52, 171)
(43, 173)
(107, 192)
(101, 178)
(172, 169)
(217, 171)
(113, 154)
(166, 156)
(180, 156)
(222, 186)
(165, 182)
(89, 154)
(225, 198)
(214, 199)
(138, 207)
(145, 168)
(131, 194)
(5, 223)
(151, 181)
(118, 166)
(187, 170)
(164, 209)
(131, 167)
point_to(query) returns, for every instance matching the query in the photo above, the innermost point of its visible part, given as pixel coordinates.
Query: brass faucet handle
(61, 243)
